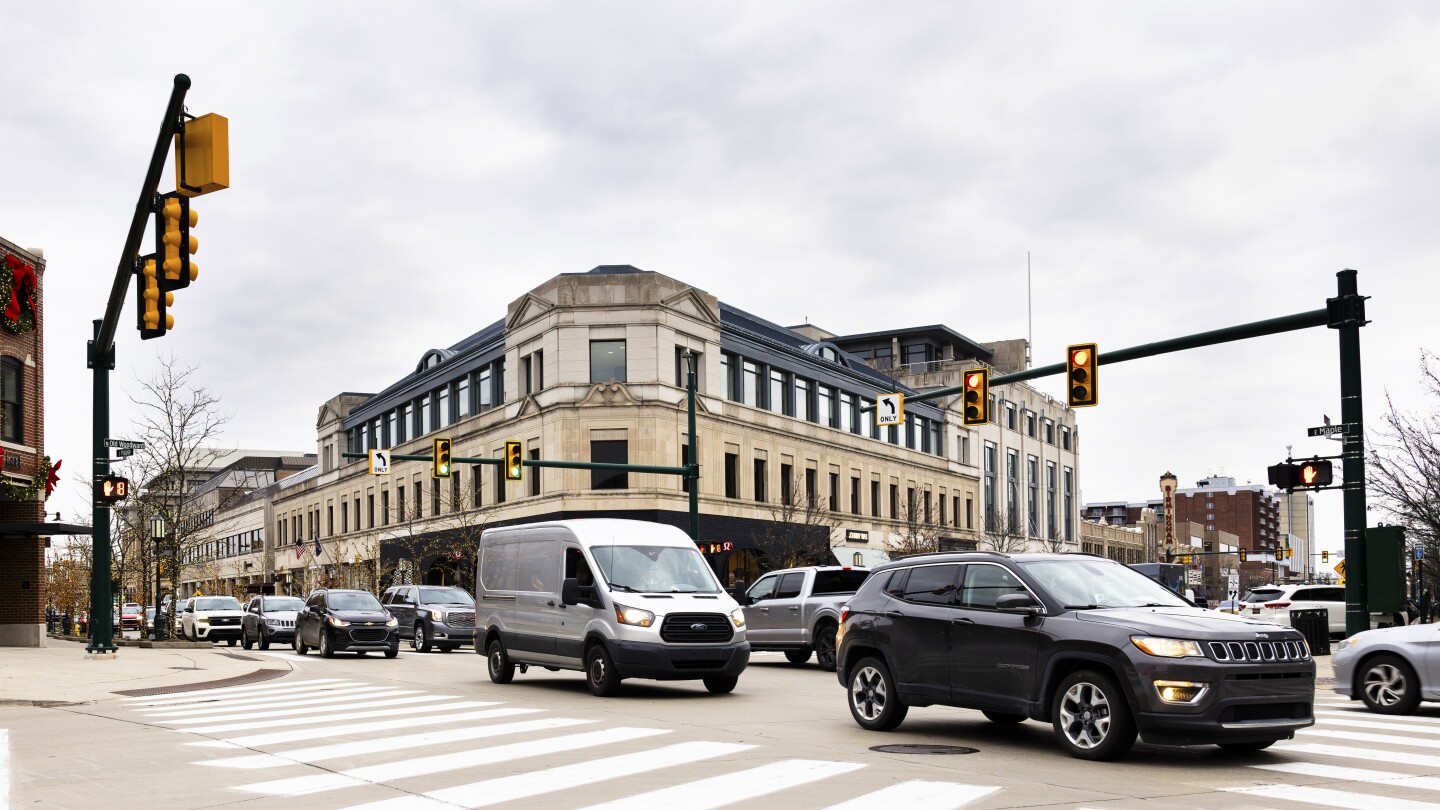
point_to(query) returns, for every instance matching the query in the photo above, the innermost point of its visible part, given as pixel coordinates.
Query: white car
(212, 618)
(1273, 603)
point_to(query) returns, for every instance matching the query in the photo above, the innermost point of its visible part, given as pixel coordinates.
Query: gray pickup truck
(796, 611)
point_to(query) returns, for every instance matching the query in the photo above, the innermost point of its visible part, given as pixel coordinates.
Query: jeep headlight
(737, 617)
(437, 616)
(338, 622)
(392, 622)
(1167, 647)
(635, 616)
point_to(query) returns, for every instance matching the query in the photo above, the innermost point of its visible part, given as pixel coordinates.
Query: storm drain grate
(915, 748)
(238, 680)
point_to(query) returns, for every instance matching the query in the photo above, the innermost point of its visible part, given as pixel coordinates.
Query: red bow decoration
(54, 479)
(22, 289)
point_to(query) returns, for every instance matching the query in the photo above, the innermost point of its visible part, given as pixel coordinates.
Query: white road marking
(1380, 725)
(4, 769)
(919, 795)
(326, 719)
(301, 735)
(320, 753)
(1388, 718)
(257, 715)
(1369, 754)
(718, 791)
(209, 695)
(1354, 774)
(1326, 797)
(272, 703)
(506, 789)
(1361, 736)
(440, 763)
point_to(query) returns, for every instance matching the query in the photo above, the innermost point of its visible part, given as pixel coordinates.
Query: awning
(41, 529)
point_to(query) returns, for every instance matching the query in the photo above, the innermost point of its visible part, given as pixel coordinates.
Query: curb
(238, 680)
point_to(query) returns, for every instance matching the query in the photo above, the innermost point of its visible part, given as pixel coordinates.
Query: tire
(797, 656)
(722, 684)
(600, 673)
(874, 701)
(1092, 717)
(230, 642)
(264, 642)
(393, 651)
(1003, 718)
(501, 669)
(825, 646)
(420, 642)
(327, 647)
(300, 648)
(1246, 747)
(245, 642)
(1388, 685)
(449, 648)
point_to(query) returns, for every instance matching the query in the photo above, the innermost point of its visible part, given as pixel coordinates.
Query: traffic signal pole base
(101, 655)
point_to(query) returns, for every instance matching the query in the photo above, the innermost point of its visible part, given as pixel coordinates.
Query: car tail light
(844, 613)
(1277, 605)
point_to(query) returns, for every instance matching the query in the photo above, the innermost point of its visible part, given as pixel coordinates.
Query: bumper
(280, 634)
(342, 640)
(220, 633)
(674, 663)
(1244, 703)
(451, 633)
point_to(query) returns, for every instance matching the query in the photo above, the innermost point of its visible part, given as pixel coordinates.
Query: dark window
(932, 584)
(760, 479)
(369, 509)
(534, 475)
(810, 502)
(385, 507)
(787, 484)
(763, 589)
(827, 582)
(834, 492)
(875, 499)
(577, 568)
(854, 495)
(329, 520)
(790, 585)
(895, 501)
(435, 497)
(682, 368)
(475, 481)
(500, 481)
(400, 503)
(607, 361)
(732, 475)
(610, 451)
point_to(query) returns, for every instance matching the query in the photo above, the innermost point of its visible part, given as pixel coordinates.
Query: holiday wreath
(17, 291)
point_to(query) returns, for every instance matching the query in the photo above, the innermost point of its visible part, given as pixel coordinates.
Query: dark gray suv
(441, 617)
(341, 620)
(1084, 643)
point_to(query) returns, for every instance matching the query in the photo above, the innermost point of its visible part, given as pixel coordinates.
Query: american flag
(299, 548)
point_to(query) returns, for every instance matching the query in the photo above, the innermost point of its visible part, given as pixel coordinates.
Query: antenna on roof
(1029, 309)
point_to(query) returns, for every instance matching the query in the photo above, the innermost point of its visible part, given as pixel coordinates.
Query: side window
(790, 585)
(932, 584)
(896, 586)
(986, 583)
(1331, 595)
(408, 596)
(764, 589)
(577, 568)
(1306, 595)
(388, 598)
(314, 601)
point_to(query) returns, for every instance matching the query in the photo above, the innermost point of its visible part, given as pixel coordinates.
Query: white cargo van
(611, 598)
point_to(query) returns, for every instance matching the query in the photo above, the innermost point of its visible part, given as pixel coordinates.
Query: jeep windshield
(283, 603)
(654, 569)
(1088, 584)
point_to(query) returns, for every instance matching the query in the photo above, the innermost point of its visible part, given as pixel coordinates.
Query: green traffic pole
(692, 465)
(102, 634)
(1347, 315)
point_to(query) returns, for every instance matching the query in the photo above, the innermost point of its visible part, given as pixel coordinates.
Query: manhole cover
(923, 749)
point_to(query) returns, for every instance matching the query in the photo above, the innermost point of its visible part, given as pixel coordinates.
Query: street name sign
(125, 444)
(1326, 430)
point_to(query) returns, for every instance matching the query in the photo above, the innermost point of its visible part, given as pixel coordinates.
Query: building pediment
(527, 308)
(691, 302)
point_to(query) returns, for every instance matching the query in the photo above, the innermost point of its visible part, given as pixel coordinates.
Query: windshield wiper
(1082, 607)
(625, 588)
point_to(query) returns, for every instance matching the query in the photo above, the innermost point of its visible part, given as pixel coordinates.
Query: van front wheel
(501, 670)
(600, 672)
(722, 685)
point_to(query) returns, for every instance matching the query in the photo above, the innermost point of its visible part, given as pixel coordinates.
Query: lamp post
(157, 534)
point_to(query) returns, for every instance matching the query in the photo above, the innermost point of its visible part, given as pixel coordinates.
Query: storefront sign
(857, 536)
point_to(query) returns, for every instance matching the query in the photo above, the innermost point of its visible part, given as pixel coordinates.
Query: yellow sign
(1340, 568)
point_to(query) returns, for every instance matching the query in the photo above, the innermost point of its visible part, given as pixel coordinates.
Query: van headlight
(635, 616)
(737, 617)
(1167, 647)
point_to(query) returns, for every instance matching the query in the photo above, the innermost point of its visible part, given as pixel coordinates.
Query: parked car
(796, 611)
(1391, 669)
(131, 616)
(1273, 603)
(339, 620)
(1086, 644)
(269, 619)
(432, 616)
(173, 610)
(149, 620)
(614, 599)
(212, 618)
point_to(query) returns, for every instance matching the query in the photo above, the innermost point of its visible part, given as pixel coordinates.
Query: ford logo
(699, 627)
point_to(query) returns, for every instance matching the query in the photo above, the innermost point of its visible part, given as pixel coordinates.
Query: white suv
(1273, 603)
(212, 618)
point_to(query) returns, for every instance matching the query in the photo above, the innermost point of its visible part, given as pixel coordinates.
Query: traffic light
(1244, 555)
(977, 396)
(1185, 559)
(1081, 377)
(1324, 556)
(512, 461)
(1311, 474)
(113, 488)
(441, 459)
(151, 302)
(1289, 552)
(174, 243)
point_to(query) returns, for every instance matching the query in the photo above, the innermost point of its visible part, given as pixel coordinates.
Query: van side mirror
(1018, 603)
(570, 591)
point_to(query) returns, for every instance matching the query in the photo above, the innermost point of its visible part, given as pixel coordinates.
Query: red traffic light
(977, 397)
(1081, 377)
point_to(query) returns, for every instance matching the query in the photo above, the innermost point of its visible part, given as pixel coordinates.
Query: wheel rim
(495, 656)
(1384, 685)
(1085, 715)
(597, 669)
(416, 641)
(869, 694)
(324, 642)
(825, 646)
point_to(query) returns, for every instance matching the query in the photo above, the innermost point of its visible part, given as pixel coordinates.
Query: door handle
(763, 610)
(894, 614)
(551, 603)
(962, 621)
(795, 607)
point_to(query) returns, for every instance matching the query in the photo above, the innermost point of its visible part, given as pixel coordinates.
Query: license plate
(1255, 611)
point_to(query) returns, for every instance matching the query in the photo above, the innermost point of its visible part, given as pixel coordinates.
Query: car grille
(369, 634)
(280, 622)
(220, 621)
(1251, 652)
(696, 628)
(1256, 712)
(458, 619)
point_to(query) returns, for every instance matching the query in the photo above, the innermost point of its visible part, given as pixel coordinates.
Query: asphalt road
(431, 731)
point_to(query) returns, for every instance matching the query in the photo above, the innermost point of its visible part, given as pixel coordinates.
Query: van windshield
(654, 569)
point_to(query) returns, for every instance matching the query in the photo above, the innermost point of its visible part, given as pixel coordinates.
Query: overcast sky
(401, 171)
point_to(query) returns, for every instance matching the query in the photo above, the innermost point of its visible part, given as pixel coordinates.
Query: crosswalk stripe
(1388, 718)
(1369, 754)
(326, 719)
(1354, 774)
(1379, 725)
(505, 789)
(320, 753)
(440, 763)
(1361, 736)
(255, 715)
(4, 768)
(718, 791)
(918, 795)
(203, 695)
(1333, 798)
(272, 703)
(301, 735)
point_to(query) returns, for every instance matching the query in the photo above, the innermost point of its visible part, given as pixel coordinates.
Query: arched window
(11, 395)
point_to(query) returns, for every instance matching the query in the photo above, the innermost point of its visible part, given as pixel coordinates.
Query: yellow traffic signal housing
(1080, 375)
(152, 303)
(202, 155)
(1244, 555)
(174, 243)
(513, 463)
(113, 488)
(977, 396)
(441, 459)
(1324, 556)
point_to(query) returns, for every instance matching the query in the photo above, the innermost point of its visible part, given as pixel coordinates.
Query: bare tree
(67, 580)
(1404, 472)
(918, 534)
(419, 540)
(798, 531)
(1000, 535)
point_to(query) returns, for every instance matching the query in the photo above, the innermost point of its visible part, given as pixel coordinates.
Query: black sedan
(337, 620)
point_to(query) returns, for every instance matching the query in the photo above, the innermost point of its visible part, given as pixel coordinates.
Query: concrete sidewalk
(64, 673)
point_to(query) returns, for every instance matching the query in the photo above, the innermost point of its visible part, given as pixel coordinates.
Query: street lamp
(157, 534)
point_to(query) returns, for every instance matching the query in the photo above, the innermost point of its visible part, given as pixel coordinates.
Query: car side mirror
(1018, 603)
